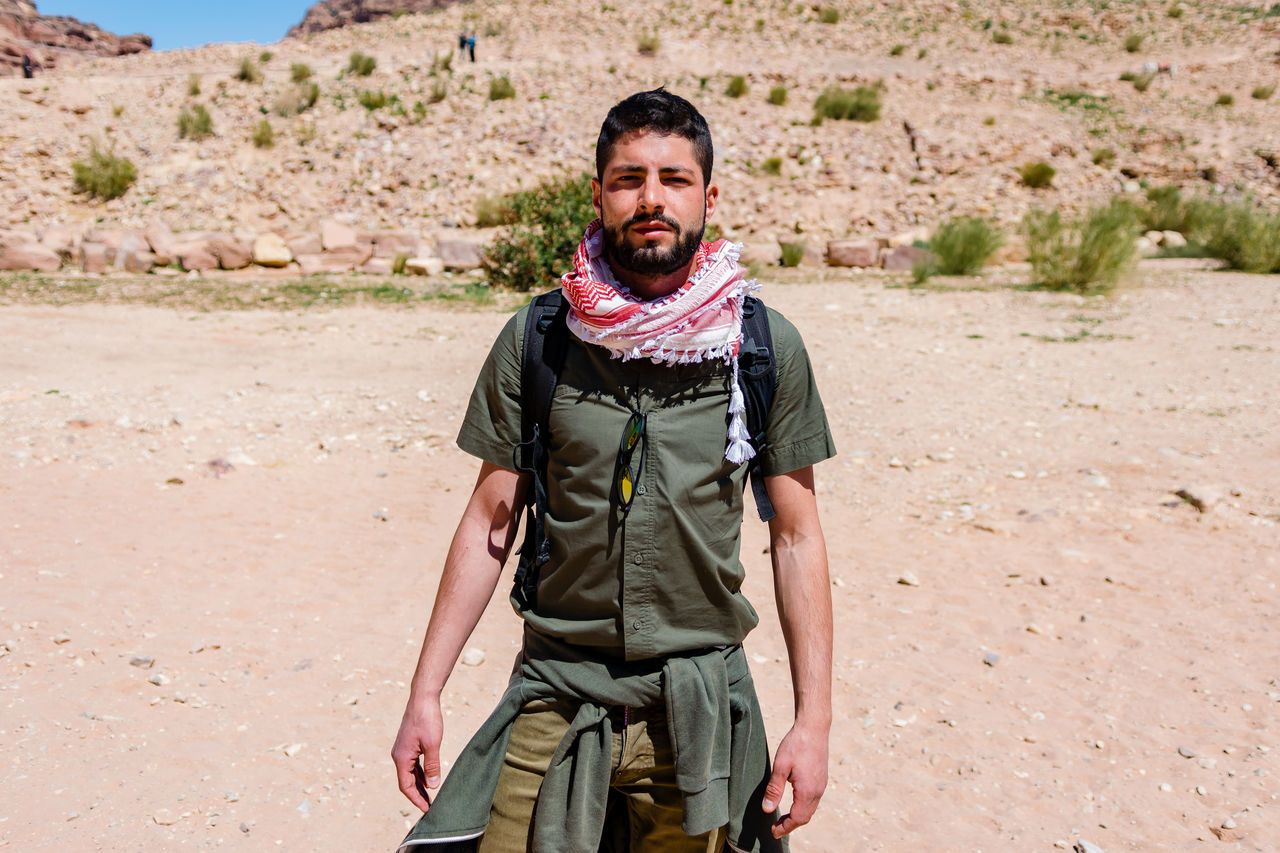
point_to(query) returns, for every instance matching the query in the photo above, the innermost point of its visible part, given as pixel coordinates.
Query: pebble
(1200, 789)
(292, 749)
(473, 657)
(381, 515)
(60, 639)
(142, 661)
(304, 807)
(1017, 475)
(159, 679)
(1098, 481)
(895, 462)
(1083, 846)
(908, 579)
(991, 658)
(1166, 787)
(1185, 753)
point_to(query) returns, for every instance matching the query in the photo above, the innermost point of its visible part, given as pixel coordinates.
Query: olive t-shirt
(665, 576)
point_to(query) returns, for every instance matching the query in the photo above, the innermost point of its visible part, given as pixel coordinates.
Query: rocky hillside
(970, 93)
(332, 14)
(50, 40)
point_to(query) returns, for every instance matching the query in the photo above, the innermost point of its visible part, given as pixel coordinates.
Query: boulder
(28, 256)
(62, 239)
(1173, 240)
(137, 262)
(903, 258)
(162, 242)
(304, 244)
(377, 266)
(339, 260)
(764, 253)
(196, 255)
(109, 237)
(853, 253)
(270, 250)
(391, 244)
(424, 266)
(95, 257)
(460, 253)
(335, 235)
(232, 252)
(131, 244)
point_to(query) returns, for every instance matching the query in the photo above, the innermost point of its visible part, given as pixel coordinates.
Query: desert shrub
(1224, 100)
(494, 28)
(922, 271)
(1133, 42)
(548, 225)
(371, 100)
(737, 86)
(248, 72)
(194, 122)
(265, 57)
(778, 95)
(361, 65)
(439, 91)
(297, 100)
(493, 210)
(117, 110)
(500, 89)
(305, 134)
(263, 135)
(861, 104)
(300, 72)
(1239, 233)
(897, 49)
(442, 62)
(419, 111)
(1175, 11)
(1037, 174)
(962, 246)
(989, 121)
(829, 15)
(193, 85)
(1262, 93)
(1103, 156)
(922, 53)
(772, 166)
(1001, 37)
(1167, 210)
(102, 174)
(647, 44)
(1128, 76)
(792, 252)
(1142, 82)
(1084, 255)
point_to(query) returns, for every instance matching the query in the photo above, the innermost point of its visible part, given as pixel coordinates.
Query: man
(630, 722)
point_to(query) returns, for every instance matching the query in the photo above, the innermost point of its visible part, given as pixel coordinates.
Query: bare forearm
(803, 591)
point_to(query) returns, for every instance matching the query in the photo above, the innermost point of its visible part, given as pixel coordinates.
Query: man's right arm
(471, 571)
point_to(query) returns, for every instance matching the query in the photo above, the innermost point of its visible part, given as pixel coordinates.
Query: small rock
(61, 639)
(1201, 790)
(381, 515)
(424, 266)
(244, 827)
(1083, 846)
(1098, 481)
(160, 679)
(1185, 753)
(142, 661)
(236, 456)
(292, 749)
(991, 658)
(1203, 498)
(895, 462)
(909, 579)
(1166, 787)
(304, 807)
(473, 657)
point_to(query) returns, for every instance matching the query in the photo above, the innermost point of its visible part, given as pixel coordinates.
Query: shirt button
(636, 624)
(639, 558)
(640, 490)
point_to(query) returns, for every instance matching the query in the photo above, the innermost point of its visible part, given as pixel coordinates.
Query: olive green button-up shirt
(664, 577)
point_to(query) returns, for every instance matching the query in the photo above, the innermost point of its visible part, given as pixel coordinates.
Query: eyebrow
(663, 170)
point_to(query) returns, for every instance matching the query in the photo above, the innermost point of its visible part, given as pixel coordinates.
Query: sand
(1037, 640)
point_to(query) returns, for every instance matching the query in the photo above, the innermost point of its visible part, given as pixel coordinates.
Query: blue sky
(186, 23)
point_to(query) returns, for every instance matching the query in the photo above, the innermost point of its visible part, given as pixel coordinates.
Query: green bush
(549, 221)
(103, 175)
(194, 122)
(1142, 82)
(193, 85)
(962, 246)
(1166, 210)
(500, 89)
(266, 56)
(1133, 42)
(1128, 76)
(772, 166)
(442, 62)
(373, 100)
(737, 86)
(792, 252)
(439, 91)
(922, 53)
(1037, 175)
(647, 44)
(300, 72)
(1175, 11)
(248, 72)
(1224, 100)
(493, 210)
(297, 100)
(897, 49)
(829, 15)
(263, 135)
(778, 95)
(1085, 255)
(861, 104)
(1262, 93)
(1103, 156)
(361, 65)
(1239, 233)
(1001, 37)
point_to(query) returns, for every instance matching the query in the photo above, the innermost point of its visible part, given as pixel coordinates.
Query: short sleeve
(797, 434)
(491, 428)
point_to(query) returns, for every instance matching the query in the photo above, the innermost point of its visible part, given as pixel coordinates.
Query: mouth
(651, 230)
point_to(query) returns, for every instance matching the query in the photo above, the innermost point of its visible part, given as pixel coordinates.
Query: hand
(801, 761)
(421, 730)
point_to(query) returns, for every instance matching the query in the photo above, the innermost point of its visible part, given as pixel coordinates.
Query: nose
(651, 197)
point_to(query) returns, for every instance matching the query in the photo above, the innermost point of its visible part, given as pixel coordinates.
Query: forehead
(653, 150)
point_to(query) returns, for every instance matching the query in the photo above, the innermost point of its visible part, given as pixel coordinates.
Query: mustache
(653, 217)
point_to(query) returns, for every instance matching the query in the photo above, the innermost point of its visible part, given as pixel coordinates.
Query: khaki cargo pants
(644, 803)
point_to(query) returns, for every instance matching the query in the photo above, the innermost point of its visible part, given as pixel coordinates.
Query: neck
(651, 287)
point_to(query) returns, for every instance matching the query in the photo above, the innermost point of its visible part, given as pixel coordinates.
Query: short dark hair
(657, 111)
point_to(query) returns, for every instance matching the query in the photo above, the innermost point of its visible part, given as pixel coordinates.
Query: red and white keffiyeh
(700, 320)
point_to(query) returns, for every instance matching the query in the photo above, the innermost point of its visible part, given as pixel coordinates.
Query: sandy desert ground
(1037, 640)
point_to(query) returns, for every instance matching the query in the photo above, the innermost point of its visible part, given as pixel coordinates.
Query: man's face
(652, 204)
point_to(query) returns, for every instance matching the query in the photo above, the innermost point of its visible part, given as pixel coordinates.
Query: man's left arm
(803, 592)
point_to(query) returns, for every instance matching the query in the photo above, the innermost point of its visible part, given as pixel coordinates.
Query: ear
(595, 196)
(713, 192)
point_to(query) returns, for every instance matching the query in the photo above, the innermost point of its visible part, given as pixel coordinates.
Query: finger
(774, 789)
(407, 773)
(784, 826)
(804, 802)
(431, 764)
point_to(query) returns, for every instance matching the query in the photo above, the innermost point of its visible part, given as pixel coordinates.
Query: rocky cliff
(331, 14)
(49, 39)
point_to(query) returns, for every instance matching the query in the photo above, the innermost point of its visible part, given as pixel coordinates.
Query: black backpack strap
(546, 339)
(758, 373)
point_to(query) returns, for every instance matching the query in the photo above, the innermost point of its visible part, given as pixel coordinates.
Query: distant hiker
(462, 42)
(631, 721)
(471, 46)
(27, 70)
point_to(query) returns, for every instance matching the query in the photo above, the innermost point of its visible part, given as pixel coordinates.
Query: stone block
(29, 257)
(196, 255)
(140, 261)
(903, 258)
(460, 253)
(232, 252)
(270, 250)
(853, 253)
(377, 266)
(94, 258)
(162, 243)
(390, 244)
(304, 244)
(424, 266)
(335, 235)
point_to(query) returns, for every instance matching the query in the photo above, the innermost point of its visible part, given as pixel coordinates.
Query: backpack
(546, 340)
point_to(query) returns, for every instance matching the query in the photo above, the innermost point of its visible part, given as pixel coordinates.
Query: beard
(652, 260)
